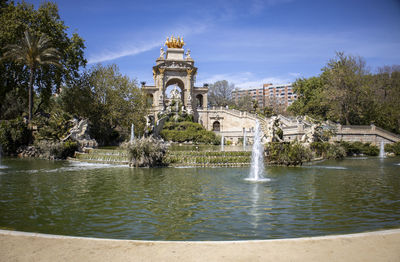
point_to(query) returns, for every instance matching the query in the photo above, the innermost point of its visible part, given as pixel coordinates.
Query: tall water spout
(132, 132)
(244, 140)
(222, 143)
(257, 157)
(0, 157)
(382, 150)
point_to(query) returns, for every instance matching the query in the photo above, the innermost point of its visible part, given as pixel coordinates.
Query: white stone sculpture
(312, 134)
(79, 133)
(272, 130)
(175, 94)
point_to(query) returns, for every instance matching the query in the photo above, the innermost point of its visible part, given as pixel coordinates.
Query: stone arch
(216, 126)
(177, 82)
(199, 101)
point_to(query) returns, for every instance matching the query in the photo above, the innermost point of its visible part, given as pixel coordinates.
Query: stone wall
(232, 123)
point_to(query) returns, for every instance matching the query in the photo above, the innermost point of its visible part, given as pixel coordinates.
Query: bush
(55, 149)
(328, 150)
(145, 152)
(187, 131)
(357, 148)
(69, 149)
(393, 148)
(13, 134)
(288, 153)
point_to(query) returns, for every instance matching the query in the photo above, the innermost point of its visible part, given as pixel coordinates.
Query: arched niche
(216, 126)
(199, 101)
(149, 100)
(175, 82)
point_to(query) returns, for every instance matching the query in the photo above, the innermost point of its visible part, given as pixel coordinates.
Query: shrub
(357, 148)
(328, 150)
(53, 125)
(145, 152)
(69, 148)
(393, 148)
(187, 131)
(13, 134)
(288, 153)
(334, 151)
(55, 149)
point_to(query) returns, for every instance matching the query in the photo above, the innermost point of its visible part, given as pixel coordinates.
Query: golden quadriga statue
(174, 42)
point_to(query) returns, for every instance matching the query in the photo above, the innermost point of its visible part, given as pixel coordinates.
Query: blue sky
(245, 42)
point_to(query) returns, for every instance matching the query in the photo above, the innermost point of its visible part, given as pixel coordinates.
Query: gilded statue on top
(174, 42)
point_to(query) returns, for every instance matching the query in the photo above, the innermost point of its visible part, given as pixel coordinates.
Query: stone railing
(370, 133)
(234, 112)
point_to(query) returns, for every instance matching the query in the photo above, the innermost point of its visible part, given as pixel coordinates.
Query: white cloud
(295, 74)
(130, 51)
(135, 46)
(245, 80)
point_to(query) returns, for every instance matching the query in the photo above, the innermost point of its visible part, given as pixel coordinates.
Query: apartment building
(268, 95)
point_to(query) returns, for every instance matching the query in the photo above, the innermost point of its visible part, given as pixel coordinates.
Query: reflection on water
(333, 197)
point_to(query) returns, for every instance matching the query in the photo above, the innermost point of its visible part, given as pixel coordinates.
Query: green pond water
(79, 199)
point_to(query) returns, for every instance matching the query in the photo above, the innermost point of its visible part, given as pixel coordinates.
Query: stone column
(188, 90)
(205, 101)
(160, 85)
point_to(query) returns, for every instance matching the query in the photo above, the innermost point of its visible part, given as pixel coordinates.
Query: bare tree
(220, 93)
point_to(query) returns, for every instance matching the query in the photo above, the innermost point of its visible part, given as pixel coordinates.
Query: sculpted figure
(312, 134)
(162, 52)
(78, 131)
(272, 130)
(175, 94)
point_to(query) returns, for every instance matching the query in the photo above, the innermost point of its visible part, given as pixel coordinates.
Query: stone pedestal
(175, 53)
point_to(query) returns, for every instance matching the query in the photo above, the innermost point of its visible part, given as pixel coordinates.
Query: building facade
(268, 95)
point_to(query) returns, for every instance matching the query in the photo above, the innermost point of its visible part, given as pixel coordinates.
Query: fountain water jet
(244, 140)
(382, 150)
(132, 132)
(257, 158)
(0, 157)
(222, 143)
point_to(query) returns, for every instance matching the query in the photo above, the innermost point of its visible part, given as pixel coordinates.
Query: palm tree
(32, 51)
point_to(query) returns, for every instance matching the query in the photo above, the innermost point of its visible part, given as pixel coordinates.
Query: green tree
(345, 88)
(111, 101)
(348, 93)
(17, 18)
(310, 98)
(33, 51)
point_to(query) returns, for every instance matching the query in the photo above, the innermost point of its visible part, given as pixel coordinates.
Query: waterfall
(257, 157)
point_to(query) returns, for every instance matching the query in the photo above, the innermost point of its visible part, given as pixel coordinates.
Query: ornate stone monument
(173, 68)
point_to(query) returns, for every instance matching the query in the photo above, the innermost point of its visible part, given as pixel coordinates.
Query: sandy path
(374, 246)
